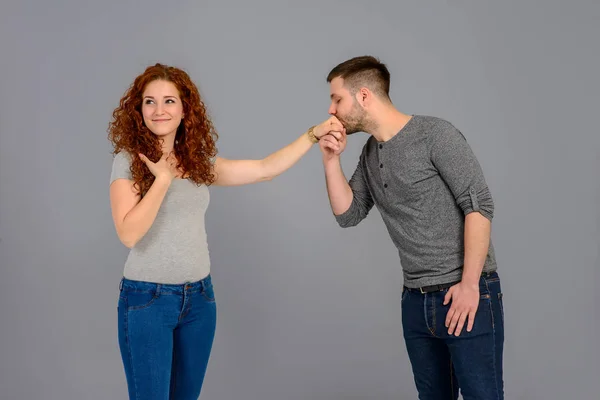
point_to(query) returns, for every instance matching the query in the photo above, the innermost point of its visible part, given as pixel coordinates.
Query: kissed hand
(331, 126)
(465, 301)
(333, 138)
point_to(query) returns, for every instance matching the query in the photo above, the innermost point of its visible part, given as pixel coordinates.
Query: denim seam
(425, 312)
(451, 379)
(155, 296)
(501, 305)
(429, 327)
(129, 353)
(493, 341)
(162, 291)
(173, 378)
(137, 308)
(185, 307)
(433, 315)
(208, 298)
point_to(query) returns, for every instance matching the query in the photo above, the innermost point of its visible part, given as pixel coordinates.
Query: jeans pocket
(140, 300)
(484, 291)
(404, 294)
(208, 292)
(501, 304)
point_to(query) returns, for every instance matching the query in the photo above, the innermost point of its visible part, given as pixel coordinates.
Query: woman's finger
(145, 159)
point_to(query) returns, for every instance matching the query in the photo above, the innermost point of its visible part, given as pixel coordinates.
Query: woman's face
(162, 108)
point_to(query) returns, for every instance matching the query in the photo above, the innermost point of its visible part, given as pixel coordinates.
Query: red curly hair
(195, 140)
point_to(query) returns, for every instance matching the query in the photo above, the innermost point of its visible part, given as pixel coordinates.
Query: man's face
(346, 108)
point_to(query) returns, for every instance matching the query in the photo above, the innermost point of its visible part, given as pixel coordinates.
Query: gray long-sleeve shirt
(423, 181)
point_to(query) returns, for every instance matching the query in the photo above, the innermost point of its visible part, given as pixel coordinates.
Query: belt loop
(121, 284)
(158, 288)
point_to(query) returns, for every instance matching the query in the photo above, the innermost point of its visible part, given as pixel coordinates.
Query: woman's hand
(331, 126)
(165, 168)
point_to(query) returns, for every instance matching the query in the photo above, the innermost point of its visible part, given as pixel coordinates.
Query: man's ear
(364, 96)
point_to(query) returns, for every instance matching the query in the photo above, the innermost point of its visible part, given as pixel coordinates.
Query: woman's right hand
(165, 168)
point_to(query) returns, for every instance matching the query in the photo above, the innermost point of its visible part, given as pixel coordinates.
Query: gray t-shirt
(423, 181)
(175, 249)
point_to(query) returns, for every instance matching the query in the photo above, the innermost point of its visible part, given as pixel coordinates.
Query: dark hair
(195, 137)
(363, 71)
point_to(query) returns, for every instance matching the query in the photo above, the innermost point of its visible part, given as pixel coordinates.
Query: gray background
(306, 310)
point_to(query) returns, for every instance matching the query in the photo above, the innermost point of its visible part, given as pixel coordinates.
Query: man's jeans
(443, 363)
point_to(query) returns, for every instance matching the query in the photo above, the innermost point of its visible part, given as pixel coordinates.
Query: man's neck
(387, 123)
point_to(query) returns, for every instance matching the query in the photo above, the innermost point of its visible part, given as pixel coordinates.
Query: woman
(165, 160)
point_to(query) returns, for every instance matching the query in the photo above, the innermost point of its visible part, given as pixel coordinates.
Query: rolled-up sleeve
(458, 166)
(362, 201)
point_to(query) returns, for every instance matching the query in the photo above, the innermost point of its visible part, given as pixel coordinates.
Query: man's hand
(333, 142)
(465, 301)
(331, 146)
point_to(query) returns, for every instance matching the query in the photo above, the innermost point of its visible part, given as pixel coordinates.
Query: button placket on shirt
(384, 176)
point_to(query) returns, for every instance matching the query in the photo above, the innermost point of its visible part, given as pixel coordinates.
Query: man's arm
(350, 201)
(477, 241)
(459, 168)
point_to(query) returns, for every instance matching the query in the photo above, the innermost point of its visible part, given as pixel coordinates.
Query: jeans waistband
(142, 286)
(443, 286)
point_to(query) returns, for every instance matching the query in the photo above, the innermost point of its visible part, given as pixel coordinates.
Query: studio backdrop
(306, 310)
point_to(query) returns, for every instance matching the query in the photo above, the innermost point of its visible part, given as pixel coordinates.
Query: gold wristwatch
(311, 135)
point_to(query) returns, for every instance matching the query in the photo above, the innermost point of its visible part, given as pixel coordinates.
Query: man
(431, 193)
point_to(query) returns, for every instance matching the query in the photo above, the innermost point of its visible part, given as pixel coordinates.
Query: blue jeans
(443, 363)
(165, 336)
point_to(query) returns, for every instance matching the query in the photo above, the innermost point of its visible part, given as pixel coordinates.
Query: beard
(355, 121)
